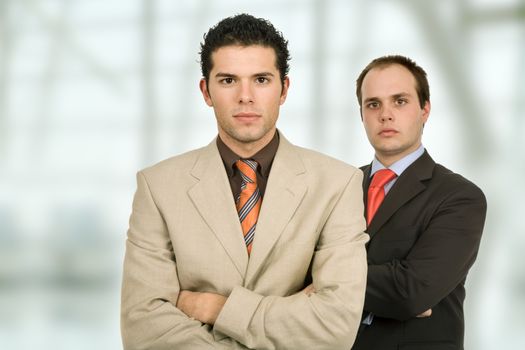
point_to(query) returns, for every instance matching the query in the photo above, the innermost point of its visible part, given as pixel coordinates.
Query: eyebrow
(394, 96)
(371, 99)
(231, 75)
(401, 94)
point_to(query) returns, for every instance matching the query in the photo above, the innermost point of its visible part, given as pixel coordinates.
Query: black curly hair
(244, 30)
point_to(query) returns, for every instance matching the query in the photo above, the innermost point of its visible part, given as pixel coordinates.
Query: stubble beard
(246, 135)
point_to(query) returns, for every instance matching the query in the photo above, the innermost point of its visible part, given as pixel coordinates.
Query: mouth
(388, 132)
(247, 116)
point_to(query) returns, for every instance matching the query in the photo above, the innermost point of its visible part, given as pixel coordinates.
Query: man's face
(245, 91)
(391, 113)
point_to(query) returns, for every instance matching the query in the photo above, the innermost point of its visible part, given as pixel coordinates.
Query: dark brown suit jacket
(423, 240)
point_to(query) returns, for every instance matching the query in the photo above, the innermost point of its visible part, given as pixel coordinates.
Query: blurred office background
(93, 90)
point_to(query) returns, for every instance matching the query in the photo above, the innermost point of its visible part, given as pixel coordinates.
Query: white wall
(92, 91)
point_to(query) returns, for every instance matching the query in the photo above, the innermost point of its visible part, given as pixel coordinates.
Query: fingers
(427, 313)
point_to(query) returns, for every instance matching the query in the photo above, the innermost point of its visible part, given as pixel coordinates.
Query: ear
(284, 92)
(205, 92)
(426, 111)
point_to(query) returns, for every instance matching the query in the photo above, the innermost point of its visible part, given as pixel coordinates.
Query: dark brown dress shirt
(264, 158)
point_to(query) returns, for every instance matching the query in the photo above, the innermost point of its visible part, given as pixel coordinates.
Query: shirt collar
(264, 157)
(399, 166)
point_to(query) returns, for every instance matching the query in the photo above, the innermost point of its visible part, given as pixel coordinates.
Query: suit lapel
(212, 196)
(407, 186)
(284, 192)
(366, 182)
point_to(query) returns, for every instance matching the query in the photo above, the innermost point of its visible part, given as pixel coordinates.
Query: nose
(245, 93)
(386, 115)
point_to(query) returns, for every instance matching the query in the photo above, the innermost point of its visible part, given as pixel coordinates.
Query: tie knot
(381, 177)
(247, 167)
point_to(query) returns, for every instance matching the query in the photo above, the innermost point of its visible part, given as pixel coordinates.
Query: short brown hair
(422, 88)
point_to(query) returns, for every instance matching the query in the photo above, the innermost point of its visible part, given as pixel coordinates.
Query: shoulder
(453, 183)
(325, 172)
(174, 165)
(319, 162)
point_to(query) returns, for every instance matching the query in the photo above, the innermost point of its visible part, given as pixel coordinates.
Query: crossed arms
(439, 260)
(205, 307)
(158, 314)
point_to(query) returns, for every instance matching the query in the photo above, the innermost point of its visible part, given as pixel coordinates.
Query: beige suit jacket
(185, 234)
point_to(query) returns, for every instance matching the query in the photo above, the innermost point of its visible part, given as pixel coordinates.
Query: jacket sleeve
(437, 263)
(327, 319)
(150, 288)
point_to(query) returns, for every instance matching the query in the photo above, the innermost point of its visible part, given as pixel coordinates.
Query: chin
(248, 137)
(387, 151)
(386, 147)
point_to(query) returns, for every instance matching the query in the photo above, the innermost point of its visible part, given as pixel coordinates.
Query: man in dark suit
(425, 222)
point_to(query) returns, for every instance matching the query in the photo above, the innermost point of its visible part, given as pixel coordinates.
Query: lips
(247, 116)
(388, 132)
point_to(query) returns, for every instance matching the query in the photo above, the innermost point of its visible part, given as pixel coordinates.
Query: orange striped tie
(376, 192)
(249, 201)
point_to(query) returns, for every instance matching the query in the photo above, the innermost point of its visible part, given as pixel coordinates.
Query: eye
(372, 105)
(226, 81)
(401, 101)
(262, 80)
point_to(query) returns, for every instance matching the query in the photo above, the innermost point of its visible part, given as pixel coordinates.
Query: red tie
(376, 192)
(249, 201)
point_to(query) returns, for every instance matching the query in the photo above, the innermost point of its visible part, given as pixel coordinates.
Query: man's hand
(309, 289)
(427, 313)
(204, 307)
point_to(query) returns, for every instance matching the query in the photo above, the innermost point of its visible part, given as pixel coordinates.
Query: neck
(247, 149)
(387, 159)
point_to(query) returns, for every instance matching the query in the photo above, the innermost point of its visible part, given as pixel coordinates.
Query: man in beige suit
(194, 276)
